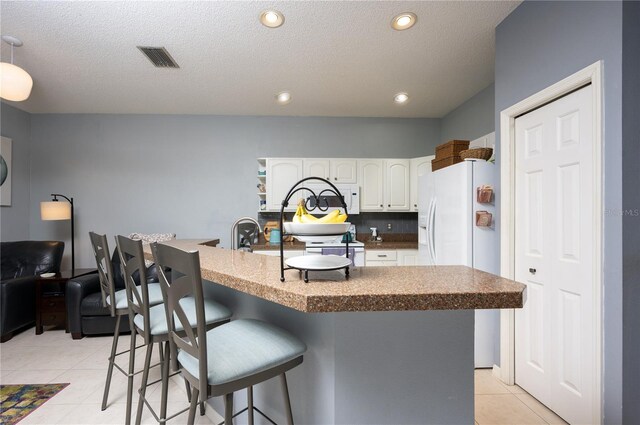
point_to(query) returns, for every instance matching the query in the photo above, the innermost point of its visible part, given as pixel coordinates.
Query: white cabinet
(419, 167)
(397, 194)
(344, 171)
(380, 258)
(407, 257)
(282, 173)
(317, 167)
(335, 170)
(371, 180)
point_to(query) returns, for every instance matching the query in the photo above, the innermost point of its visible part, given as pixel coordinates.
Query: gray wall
(472, 119)
(190, 175)
(631, 204)
(14, 220)
(537, 45)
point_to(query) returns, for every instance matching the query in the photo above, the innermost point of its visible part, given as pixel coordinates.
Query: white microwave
(328, 199)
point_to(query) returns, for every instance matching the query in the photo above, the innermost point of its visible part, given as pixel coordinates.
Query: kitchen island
(391, 345)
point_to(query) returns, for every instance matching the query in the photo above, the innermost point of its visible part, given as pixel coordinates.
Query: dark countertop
(389, 241)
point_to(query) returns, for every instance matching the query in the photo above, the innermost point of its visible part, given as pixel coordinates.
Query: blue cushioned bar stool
(150, 322)
(228, 358)
(116, 300)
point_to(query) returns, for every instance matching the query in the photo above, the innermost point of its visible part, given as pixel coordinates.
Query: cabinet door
(344, 171)
(407, 257)
(419, 167)
(317, 168)
(397, 197)
(371, 180)
(281, 175)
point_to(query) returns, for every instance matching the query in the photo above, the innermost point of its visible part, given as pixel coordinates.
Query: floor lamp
(56, 210)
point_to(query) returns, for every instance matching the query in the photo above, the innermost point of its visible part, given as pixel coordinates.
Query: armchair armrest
(17, 303)
(77, 289)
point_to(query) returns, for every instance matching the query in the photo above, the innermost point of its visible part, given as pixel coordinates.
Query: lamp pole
(73, 250)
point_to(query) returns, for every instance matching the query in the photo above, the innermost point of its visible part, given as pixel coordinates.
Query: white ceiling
(336, 58)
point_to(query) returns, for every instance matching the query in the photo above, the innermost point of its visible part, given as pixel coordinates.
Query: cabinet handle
(381, 205)
(532, 271)
(382, 255)
(389, 205)
(335, 178)
(415, 205)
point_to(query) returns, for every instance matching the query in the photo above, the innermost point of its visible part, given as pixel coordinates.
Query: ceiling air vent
(159, 57)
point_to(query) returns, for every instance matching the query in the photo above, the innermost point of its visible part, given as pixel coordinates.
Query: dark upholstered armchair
(85, 311)
(21, 262)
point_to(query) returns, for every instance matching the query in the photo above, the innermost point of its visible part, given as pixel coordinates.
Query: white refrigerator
(448, 235)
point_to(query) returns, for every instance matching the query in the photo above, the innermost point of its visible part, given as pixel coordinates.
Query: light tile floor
(54, 357)
(497, 403)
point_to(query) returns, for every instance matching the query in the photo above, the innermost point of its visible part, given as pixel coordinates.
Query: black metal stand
(317, 205)
(73, 248)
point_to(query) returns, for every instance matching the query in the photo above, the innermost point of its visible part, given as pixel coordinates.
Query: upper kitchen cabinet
(371, 180)
(344, 171)
(282, 173)
(335, 170)
(419, 167)
(317, 167)
(397, 194)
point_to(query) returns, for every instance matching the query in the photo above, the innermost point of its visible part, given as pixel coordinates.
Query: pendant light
(15, 82)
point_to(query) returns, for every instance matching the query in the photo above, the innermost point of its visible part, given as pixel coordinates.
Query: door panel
(397, 185)
(344, 171)
(371, 184)
(555, 331)
(317, 168)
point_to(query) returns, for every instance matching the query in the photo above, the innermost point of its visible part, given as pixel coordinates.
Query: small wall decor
(5, 171)
(483, 218)
(484, 194)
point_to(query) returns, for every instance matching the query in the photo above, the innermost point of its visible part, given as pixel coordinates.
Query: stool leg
(193, 406)
(143, 384)
(112, 358)
(228, 409)
(132, 362)
(287, 402)
(250, 404)
(188, 386)
(165, 379)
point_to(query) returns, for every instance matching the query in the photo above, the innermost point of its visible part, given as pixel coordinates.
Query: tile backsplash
(400, 222)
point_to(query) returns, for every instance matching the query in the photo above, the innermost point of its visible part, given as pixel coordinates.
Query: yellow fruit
(341, 218)
(308, 218)
(329, 218)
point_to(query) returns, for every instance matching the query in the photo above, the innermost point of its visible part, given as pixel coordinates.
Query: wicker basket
(479, 153)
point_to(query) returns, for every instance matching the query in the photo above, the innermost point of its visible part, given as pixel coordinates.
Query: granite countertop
(368, 288)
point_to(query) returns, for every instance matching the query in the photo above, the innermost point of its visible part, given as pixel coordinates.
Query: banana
(329, 218)
(341, 218)
(303, 216)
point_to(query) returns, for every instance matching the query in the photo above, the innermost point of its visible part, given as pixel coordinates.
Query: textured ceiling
(336, 58)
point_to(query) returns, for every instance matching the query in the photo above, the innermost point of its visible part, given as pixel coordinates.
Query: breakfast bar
(390, 345)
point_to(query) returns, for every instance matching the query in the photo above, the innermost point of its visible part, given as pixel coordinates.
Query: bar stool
(116, 300)
(228, 358)
(150, 322)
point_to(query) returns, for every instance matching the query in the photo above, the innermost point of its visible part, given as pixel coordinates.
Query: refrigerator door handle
(431, 226)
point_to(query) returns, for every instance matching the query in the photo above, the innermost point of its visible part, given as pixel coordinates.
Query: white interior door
(554, 242)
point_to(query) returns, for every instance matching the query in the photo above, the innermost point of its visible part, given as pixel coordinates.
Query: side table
(51, 308)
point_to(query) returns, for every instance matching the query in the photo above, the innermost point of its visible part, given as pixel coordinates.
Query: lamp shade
(15, 82)
(55, 210)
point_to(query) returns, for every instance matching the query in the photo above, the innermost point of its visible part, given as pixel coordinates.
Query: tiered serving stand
(304, 264)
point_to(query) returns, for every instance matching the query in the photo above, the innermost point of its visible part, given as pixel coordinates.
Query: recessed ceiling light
(271, 18)
(403, 21)
(283, 97)
(401, 98)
